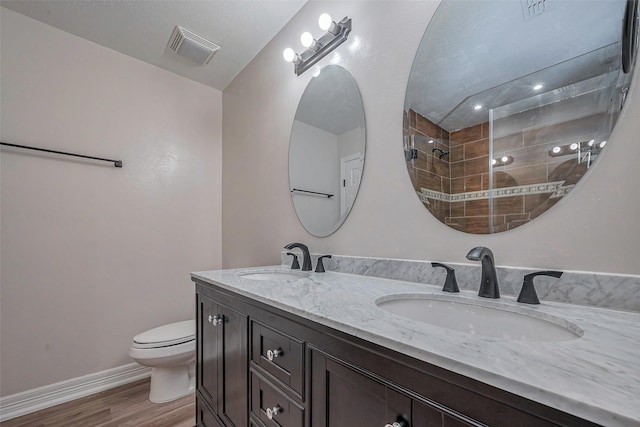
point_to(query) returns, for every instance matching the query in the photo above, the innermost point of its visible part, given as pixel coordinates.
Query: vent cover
(192, 46)
(533, 8)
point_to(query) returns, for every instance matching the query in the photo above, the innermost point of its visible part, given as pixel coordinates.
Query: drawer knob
(215, 320)
(272, 412)
(272, 354)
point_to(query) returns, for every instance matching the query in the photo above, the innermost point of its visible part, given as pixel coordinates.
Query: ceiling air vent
(192, 46)
(533, 8)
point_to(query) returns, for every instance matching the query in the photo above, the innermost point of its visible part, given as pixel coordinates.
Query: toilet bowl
(170, 351)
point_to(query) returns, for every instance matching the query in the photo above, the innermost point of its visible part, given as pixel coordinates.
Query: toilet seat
(167, 335)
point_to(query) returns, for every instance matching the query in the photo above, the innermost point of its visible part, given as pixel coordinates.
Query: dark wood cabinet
(262, 367)
(344, 396)
(222, 358)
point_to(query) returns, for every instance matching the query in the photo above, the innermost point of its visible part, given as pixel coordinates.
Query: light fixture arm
(324, 45)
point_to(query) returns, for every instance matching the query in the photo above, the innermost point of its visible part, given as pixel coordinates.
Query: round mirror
(326, 151)
(509, 103)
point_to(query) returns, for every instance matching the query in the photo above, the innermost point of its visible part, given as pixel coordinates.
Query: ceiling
(490, 53)
(142, 29)
(332, 102)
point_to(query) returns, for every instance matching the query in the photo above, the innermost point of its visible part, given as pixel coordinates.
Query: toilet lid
(163, 336)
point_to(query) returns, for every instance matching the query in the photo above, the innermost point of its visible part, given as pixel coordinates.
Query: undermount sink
(488, 319)
(273, 275)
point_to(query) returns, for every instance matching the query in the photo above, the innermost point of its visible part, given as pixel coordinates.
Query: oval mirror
(326, 151)
(509, 103)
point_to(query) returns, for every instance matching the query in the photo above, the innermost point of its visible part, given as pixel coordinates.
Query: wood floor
(127, 405)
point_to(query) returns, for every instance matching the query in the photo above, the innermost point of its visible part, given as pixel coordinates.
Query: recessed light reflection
(430, 141)
(502, 161)
(538, 87)
(477, 107)
(590, 148)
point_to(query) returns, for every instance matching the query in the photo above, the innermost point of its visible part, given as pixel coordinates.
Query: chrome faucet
(489, 282)
(306, 257)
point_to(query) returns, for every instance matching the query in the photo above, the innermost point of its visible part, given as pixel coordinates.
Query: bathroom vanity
(293, 349)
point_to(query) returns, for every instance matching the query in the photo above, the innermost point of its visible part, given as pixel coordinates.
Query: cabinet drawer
(272, 406)
(280, 355)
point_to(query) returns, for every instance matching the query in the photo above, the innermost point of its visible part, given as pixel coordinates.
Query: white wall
(91, 254)
(350, 142)
(317, 168)
(595, 228)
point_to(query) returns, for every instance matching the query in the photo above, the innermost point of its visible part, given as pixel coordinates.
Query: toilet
(170, 351)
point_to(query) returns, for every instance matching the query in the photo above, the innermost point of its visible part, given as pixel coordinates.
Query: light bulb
(603, 143)
(430, 141)
(325, 21)
(591, 142)
(504, 159)
(477, 107)
(556, 149)
(574, 146)
(289, 55)
(538, 87)
(494, 161)
(306, 39)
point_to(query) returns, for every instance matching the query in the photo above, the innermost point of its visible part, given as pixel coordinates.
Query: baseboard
(33, 400)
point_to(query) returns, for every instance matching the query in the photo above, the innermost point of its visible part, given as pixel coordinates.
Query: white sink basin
(273, 275)
(489, 319)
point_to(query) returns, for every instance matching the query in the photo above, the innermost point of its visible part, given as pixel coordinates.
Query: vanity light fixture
(306, 39)
(316, 49)
(290, 56)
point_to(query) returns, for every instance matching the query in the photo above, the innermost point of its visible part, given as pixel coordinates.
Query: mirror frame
(461, 204)
(336, 110)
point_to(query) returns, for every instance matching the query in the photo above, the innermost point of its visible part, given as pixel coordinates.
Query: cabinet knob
(215, 320)
(272, 354)
(272, 412)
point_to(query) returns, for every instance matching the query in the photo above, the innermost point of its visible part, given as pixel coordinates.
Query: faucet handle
(450, 283)
(320, 265)
(528, 293)
(295, 265)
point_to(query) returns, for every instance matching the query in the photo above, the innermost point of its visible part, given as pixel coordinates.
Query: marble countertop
(595, 377)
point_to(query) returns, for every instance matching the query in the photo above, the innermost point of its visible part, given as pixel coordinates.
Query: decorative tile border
(582, 288)
(556, 188)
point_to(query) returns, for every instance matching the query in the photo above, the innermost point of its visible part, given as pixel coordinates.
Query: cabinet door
(343, 396)
(208, 352)
(233, 408)
(222, 356)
